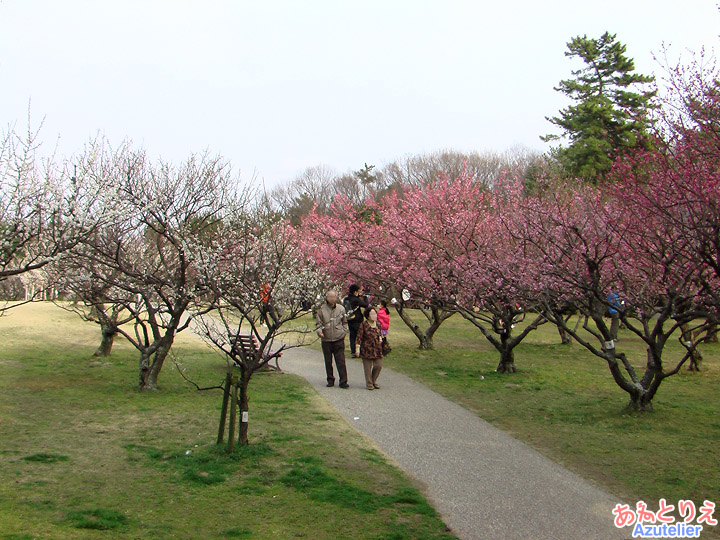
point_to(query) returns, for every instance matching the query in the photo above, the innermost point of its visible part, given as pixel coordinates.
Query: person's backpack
(351, 315)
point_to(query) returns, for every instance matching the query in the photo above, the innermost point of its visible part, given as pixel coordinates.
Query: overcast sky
(277, 86)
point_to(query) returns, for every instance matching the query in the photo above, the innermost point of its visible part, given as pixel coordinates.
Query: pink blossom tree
(448, 243)
(457, 236)
(679, 178)
(368, 245)
(587, 245)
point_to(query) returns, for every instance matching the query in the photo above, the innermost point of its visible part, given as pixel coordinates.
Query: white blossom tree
(164, 216)
(88, 290)
(46, 208)
(261, 281)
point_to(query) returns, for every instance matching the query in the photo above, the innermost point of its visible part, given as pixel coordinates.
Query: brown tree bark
(243, 405)
(507, 361)
(425, 337)
(640, 402)
(108, 339)
(143, 366)
(696, 356)
(564, 337)
(711, 336)
(149, 377)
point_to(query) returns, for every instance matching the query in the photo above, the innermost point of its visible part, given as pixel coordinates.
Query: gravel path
(486, 484)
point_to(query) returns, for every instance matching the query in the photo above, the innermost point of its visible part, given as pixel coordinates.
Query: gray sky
(277, 86)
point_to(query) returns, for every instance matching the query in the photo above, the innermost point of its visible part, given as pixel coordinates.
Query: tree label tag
(244, 417)
(610, 344)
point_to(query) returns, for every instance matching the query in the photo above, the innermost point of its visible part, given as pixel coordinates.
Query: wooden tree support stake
(233, 416)
(224, 408)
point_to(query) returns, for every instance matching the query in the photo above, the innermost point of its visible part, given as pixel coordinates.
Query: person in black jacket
(354, 305)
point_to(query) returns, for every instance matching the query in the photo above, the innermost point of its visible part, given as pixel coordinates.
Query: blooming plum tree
(46, 209)
(600, 249)
(164, 215)
(363, 244)
(260, 279)
(457, 238)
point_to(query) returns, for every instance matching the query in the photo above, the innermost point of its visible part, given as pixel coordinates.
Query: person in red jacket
(383, 318)
(267, 307)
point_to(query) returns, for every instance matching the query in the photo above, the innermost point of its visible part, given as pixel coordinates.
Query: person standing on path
(332, 327)
(369, 339)
(354, 304)
(384, 318)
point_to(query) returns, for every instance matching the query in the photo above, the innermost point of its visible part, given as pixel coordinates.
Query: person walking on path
(332, 327)
(384, 318)
(354, 304)
(370, 341)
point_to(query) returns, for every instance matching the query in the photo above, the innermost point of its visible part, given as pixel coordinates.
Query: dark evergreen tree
(610, 110)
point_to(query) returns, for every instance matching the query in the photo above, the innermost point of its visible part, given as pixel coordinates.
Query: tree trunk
(507, 361)
(711, 334)
(506, 348)
(243, 404)
(564, 337)
(425, 338)
(577, 324)
(695, 359)
(426, 342)
(151, 378)
(106, 344)
(695, 355)
(144, 367)
(640, 402)
(641, 392)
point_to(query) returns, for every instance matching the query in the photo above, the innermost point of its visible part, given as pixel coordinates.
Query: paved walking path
(485, 484)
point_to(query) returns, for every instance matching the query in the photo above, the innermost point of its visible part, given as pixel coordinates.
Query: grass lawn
(564, 403)
(83, 454)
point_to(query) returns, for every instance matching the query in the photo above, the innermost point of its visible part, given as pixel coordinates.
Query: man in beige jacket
(332, 327)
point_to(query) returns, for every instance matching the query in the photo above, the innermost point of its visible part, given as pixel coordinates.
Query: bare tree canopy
(487, 167)
(318, 186)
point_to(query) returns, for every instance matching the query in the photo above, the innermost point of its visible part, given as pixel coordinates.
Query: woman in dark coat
(369, 339)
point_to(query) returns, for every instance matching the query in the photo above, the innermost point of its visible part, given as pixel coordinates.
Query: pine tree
(610, 110)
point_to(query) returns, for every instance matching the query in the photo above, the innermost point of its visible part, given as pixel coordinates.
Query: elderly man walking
(332, 327)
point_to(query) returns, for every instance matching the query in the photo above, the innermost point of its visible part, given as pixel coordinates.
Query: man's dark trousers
(353, 331)
(336, 349)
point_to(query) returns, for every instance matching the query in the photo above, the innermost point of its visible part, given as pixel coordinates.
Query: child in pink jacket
(383, 318)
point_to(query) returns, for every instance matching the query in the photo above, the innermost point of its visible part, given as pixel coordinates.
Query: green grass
(564, 402)
(46, 458)
(310, 476)
(83, 454)
(97, 518)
